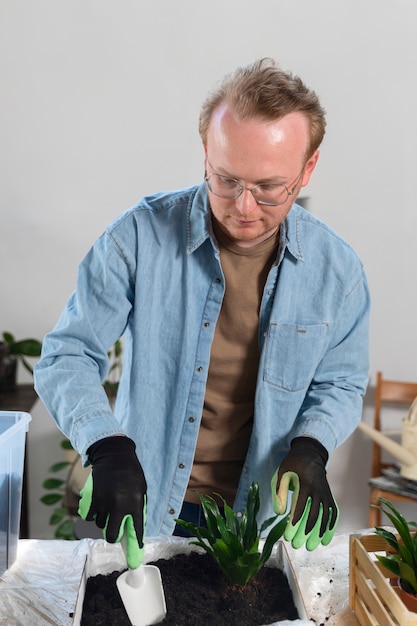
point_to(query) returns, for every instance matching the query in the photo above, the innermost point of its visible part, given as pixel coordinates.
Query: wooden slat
(373, 542)
(377, 604)
(374, 601)
(364, 616)
(362, 570)
(396, 605)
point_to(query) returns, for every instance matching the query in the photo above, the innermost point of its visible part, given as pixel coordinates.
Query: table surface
(41, 586)
(22, 398)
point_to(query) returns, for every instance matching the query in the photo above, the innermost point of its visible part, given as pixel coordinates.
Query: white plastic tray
(106, 558)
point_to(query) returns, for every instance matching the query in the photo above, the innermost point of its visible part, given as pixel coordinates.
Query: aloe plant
(233, 542)
(403, 561)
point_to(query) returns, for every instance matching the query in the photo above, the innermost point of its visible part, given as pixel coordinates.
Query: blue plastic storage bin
(13, 428)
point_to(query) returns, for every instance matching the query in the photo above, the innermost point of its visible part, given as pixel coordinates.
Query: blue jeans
(193, 513)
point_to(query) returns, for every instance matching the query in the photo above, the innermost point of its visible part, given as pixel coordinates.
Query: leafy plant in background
(115, 354)
(402, 562)
(60, 489)
(233, 542)
(23, 348)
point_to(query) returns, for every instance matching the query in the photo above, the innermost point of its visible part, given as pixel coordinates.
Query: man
(245, 323)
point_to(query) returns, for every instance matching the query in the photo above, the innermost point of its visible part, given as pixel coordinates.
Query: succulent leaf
(403, 563)
(233, 542)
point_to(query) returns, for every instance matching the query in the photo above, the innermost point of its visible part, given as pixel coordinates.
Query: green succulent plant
(233, 542)
(402, 562)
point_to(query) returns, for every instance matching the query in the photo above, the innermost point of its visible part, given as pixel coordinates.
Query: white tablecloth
(42, 585)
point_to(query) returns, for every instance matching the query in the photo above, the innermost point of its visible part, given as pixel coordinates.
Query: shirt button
(181, 465)
(239, 514)
(218, 280)
(171, 511)
(270, 292)
(191, 419)
(199, 368)
(206, 324)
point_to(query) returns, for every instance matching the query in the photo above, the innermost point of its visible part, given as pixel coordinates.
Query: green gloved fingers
(314, 513)
(86, 494)
(294, 532)
(298, 536)
(134, 553)
(289, 482)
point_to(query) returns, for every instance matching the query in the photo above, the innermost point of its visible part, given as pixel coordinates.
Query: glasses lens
(270, 194)
(231, 188)
(223, 186)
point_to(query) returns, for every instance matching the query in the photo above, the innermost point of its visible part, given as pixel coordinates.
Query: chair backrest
(390, 392)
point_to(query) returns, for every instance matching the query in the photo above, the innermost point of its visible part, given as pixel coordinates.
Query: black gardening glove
(314, 512)
(115, 494)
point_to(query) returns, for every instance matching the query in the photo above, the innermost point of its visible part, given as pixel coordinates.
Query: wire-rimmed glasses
(269, 194)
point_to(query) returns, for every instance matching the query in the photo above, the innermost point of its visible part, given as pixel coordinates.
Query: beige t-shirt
(226, 423)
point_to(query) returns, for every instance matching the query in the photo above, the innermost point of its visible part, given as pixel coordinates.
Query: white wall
(100, 103)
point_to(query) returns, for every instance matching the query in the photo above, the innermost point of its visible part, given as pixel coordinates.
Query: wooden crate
(372, 594)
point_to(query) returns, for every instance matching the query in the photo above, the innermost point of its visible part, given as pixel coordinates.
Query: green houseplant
(401, 560)
(11, 352)
(60, 489)
(233, 542)
(111, 384)
(58, 494)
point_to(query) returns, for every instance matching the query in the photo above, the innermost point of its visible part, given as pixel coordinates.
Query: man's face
(255, 152)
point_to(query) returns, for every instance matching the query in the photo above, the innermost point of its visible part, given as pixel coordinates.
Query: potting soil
(197, 592)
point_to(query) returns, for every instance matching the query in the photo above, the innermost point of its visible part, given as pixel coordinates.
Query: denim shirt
(155, 277)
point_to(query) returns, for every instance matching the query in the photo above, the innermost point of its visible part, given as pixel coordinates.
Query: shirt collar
(198, 219)
(291, 234)
(200, 227)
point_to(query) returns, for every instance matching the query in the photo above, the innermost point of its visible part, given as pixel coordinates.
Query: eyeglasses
(269, 194)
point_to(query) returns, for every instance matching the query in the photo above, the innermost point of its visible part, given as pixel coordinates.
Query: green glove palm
(314, 512)
(134, 554)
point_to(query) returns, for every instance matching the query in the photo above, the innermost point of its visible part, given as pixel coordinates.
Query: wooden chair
(388, 392)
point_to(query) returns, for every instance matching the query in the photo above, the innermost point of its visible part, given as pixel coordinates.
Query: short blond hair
(264, 90)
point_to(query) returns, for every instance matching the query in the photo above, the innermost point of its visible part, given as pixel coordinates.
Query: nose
(246, 203)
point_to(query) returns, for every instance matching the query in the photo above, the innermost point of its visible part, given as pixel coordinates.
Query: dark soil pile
(197, 592)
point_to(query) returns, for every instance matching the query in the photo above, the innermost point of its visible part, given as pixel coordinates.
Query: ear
(309, 168)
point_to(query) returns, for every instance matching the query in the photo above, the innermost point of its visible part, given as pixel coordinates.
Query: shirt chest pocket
(293, 352)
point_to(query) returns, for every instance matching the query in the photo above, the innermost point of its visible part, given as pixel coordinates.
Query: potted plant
(401, 560)
(11, 352)
(233, 542)
(224, 583)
